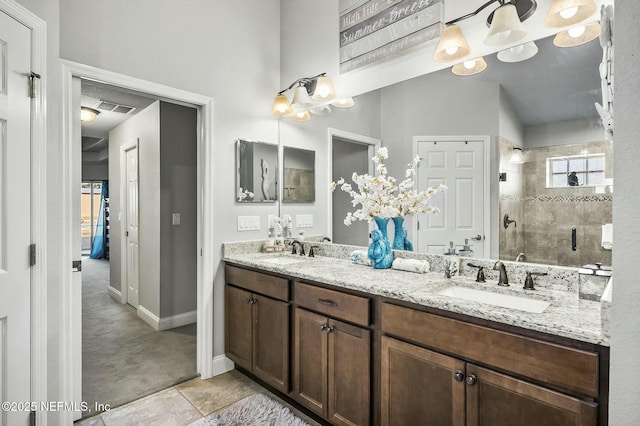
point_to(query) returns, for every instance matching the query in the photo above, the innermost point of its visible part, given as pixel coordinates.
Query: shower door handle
(574, 243)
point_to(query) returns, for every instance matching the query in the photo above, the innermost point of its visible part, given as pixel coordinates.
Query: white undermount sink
(282, 260)
(497, 299)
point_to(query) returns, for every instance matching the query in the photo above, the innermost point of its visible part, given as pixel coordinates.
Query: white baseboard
(178, 320)
(149, 317)
(221, 364)
(166, 323)
(115, 294)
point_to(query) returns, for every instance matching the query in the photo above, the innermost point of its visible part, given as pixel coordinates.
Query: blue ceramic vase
(380, 252)
(400, 240)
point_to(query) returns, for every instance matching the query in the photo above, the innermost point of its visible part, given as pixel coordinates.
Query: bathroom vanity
(359, 346)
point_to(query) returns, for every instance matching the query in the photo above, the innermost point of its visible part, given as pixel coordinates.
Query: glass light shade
(301, 99)
(577, 35)
(452, 45)
(321, 110)
(301, 116)
(281, 106)
(518, 53)
(88, 114)
(506, 27)
(324, 89)
(343, 103)
(474, 66)
(516, 156)
(569, 12)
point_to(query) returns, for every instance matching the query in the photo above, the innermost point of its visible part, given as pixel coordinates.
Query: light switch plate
(175, 219)
(248, 223)
(304, 221)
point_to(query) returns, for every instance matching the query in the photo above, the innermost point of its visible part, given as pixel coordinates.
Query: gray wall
(178, 194)
(348, 158)
(625, 321)
(95, 172)
(563, 133)
(145, 127)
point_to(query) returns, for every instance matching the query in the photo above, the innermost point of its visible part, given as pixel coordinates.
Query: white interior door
(460, 165)
(15, 208)
(131, 228)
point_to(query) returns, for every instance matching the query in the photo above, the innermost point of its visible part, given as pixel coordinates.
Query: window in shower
(575, 170)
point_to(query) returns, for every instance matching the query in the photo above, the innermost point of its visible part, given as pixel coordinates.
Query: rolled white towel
(411, 265)
(360, 257)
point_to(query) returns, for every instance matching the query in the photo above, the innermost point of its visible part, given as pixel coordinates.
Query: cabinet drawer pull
(327, 302)
(458, 375)
(472, 380)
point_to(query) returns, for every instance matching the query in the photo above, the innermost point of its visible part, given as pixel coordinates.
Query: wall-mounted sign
(372, 30)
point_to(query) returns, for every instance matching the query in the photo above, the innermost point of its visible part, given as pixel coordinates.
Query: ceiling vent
(109, 106)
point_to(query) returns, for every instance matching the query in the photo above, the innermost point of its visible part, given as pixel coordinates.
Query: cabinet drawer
(265, 284)
(569, 368)
(333, 303)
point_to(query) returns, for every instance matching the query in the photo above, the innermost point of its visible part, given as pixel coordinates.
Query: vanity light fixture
(505, 27)
(564, 13)
(577, 35)
(308, 94)
(474, 66)
(88, 114)
(516, 155)
(518, 53)
(343, 103)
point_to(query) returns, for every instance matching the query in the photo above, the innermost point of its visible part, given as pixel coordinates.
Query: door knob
(458, 375)
(472, 380)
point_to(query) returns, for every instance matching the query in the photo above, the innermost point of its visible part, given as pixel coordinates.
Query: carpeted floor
(123, 358)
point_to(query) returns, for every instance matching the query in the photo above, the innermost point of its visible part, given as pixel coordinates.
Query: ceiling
(95, 134)
(557, 84)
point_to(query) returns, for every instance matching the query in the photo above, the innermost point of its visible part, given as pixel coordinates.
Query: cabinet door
(238, 326)
(499, 400)
(349, 374)
(419, 387)
(310, 361)
(271, 341)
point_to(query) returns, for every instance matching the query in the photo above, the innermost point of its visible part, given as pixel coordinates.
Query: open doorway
(139, 155)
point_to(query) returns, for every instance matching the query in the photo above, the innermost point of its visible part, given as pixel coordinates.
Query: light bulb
(569, 13)
(451, 50)
(577, 31)
(469, 64)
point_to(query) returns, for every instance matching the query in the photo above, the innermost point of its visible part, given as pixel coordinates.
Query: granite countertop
(567, 316)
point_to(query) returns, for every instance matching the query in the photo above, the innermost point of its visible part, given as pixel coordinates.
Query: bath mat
(254, 410)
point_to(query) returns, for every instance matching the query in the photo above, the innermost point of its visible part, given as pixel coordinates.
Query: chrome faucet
(520, 257)
(503, 280)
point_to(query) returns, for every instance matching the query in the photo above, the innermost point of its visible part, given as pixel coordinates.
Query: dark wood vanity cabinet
(257, 326)
(428, 386)
(332, 359)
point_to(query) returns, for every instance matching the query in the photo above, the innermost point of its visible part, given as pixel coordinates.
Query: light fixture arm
(478, 10)
(306, 81)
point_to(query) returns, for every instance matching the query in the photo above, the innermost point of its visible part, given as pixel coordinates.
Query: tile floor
(185, 403)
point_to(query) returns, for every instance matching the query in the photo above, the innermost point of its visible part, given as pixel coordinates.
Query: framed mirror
(257, 171)
(299, 175)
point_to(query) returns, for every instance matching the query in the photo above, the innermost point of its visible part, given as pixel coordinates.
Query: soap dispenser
(466, 249)
(452, 250)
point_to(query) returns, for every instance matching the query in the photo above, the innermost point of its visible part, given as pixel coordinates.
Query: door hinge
(32, 255)
(32, 418)
(32, 84)
(418, 225)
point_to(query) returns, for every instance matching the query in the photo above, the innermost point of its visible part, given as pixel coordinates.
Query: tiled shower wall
(546, 216)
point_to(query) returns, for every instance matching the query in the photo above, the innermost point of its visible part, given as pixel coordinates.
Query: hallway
(125, 359)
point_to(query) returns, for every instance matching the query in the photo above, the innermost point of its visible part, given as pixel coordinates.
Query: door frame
(206, 197)
(39, 204)
(486, 193)
(355, 138)
(124, 295)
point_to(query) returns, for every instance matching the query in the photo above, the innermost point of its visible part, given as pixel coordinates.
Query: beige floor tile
(217, 392)
(165, 408)
(91, 421)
